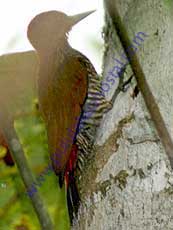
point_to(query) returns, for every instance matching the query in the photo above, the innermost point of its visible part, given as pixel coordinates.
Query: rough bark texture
(129, 183)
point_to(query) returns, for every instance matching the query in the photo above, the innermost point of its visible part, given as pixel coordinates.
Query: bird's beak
(78, 17)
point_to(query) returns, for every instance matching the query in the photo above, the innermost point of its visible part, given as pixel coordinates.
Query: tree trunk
(128, 185)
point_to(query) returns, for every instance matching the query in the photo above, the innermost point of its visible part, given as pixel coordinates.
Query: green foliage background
(16, 211)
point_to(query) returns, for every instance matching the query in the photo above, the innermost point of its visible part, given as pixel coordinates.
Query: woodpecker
(70, 97)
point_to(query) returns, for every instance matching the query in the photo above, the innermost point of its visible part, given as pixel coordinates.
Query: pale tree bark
(128, 184)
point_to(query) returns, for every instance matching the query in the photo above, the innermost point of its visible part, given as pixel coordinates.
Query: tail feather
(61, 179)
(73, 199)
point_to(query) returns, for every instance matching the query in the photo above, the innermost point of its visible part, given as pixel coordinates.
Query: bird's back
(62, 93)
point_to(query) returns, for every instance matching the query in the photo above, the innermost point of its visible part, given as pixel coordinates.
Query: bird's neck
(55, 52)
(51, 59)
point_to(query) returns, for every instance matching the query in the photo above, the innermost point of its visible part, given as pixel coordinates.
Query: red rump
(71, 164)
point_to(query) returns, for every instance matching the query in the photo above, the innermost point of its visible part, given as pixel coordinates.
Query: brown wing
(61, 98)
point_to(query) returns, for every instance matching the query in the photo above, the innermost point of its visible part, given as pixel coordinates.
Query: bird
(71, 100)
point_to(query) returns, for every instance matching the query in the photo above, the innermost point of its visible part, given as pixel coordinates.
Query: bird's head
(47, 28)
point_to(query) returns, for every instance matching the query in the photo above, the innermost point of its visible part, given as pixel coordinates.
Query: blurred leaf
(2, 151)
